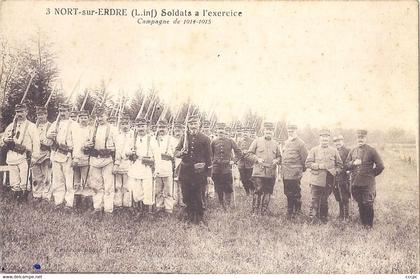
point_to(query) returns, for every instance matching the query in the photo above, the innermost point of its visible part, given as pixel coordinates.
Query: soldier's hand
(357, 162)
(231, 162)
(210, 180)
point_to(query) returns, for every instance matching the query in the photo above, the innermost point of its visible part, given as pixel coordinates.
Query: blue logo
(37, 267)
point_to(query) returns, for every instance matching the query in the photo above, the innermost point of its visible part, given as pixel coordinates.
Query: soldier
(164, 180)
(60, 133)
(266, 155)
(41, 170)
(195, 170)
(245, 164)
(365, 164)
(205, 128)
(292, 169)
(73, 115)
(81, 134)
(222, 163)
(177, 133)
(101, 148)
(122, 163)
(341, 188)
(145, 155)
(21, 139)
(324, 163)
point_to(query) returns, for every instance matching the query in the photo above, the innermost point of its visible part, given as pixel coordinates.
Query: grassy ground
(233, 242)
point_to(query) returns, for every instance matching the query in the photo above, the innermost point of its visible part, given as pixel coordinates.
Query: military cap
(100, 111)
(361, 133)
(179, 125)
(64, 107)
(194, 118)
(41, 110)
(291, 127)
(125, 120)
(268, 125)
(206, 123)
(228, 129)
(220, 125)
(20, 107)
(162, 123)
(324, 132)
(140, 122)
(338, 138)
(112, 119)
(83, 113)
(74, 113)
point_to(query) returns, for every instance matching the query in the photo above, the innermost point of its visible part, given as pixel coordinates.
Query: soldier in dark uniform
(195, 168)
(341, 188)
(292, 169)
(221, 148)
(245, 164)
(365, 164)
(205, 128)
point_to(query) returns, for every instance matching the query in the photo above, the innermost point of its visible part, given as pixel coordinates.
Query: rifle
(50, 97)
(84, 100)
(88, 150)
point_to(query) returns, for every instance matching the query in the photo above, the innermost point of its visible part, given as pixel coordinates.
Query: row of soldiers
(135, 165)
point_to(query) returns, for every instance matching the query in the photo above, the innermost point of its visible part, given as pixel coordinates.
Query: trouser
(178, 192)
(81, 190)
(292, 192)
(165, 193)
(102, 184)
(142, 190)
(246, 179)
(342, 195)
(319, 204)
(122, 192)
(365, 197)
(62, 183)
(263, 190)
(191, 192)
(223, 186)
(18, 176)
(41, 174)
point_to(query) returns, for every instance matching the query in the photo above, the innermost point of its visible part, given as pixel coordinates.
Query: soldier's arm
(252, 151)
(179, 147)
(208, 155)
(238, 152)
(338, 162)
(7, 133)
(303, 155)
(349, 161)
(51, 130)
(36, 143)
(379, 165)
(310, 160)
(157, 155)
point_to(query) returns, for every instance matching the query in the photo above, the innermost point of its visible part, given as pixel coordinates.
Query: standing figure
(21, 139)
(266, 155)
(222, 163)
(365, 164)
(324, 163)
(177, 133)
(245, 164)
(292, 169)
(341, 188)
(195, 169)
(41, 170)
(164, 183)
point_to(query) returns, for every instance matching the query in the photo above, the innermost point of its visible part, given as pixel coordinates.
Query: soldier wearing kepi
(122, 163)
(81, 132)
(164, 180)
(341, 188)
(222, 148)
(61, 157)
(195, 170)
(365, 164)
(41, 170)
(292, 169)
(101, 148)
(324, 163)
(145, 156)
(244, 163)
(22, 142)
(266, 155)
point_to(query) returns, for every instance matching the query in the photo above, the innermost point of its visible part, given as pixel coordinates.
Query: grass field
(233, 242)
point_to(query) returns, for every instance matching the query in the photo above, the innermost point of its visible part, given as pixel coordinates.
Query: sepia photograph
(209, 137)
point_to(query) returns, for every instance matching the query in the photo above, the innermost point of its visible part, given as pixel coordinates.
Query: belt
(101, 153)
(44, 147)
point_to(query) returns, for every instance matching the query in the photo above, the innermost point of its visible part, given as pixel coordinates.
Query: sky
(326, 64)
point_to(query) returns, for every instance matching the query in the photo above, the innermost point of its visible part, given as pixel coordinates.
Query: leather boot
(255, 203)
(265, 203)
(289, 207)
(228, 197)
(324, 212)
(369, 215)
(297, 206)
(346, 210)
(341, 205)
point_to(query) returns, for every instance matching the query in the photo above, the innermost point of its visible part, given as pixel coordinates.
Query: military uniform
(164, 178)
(341, 188)
(363, 177)
(146, 159)
(266, 155)
(21, 147)
(122, 163)
(61, 158)
(245, 164)
(221, 149)
(101, 164)
(178, 129)
(194, 170)
(292, 168)
(208, 190)
(41, 170)
(324, 163)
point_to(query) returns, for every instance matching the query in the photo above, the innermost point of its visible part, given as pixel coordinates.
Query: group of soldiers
(103, 165)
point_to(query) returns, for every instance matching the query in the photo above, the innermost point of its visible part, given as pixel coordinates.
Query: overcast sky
(333, 64)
